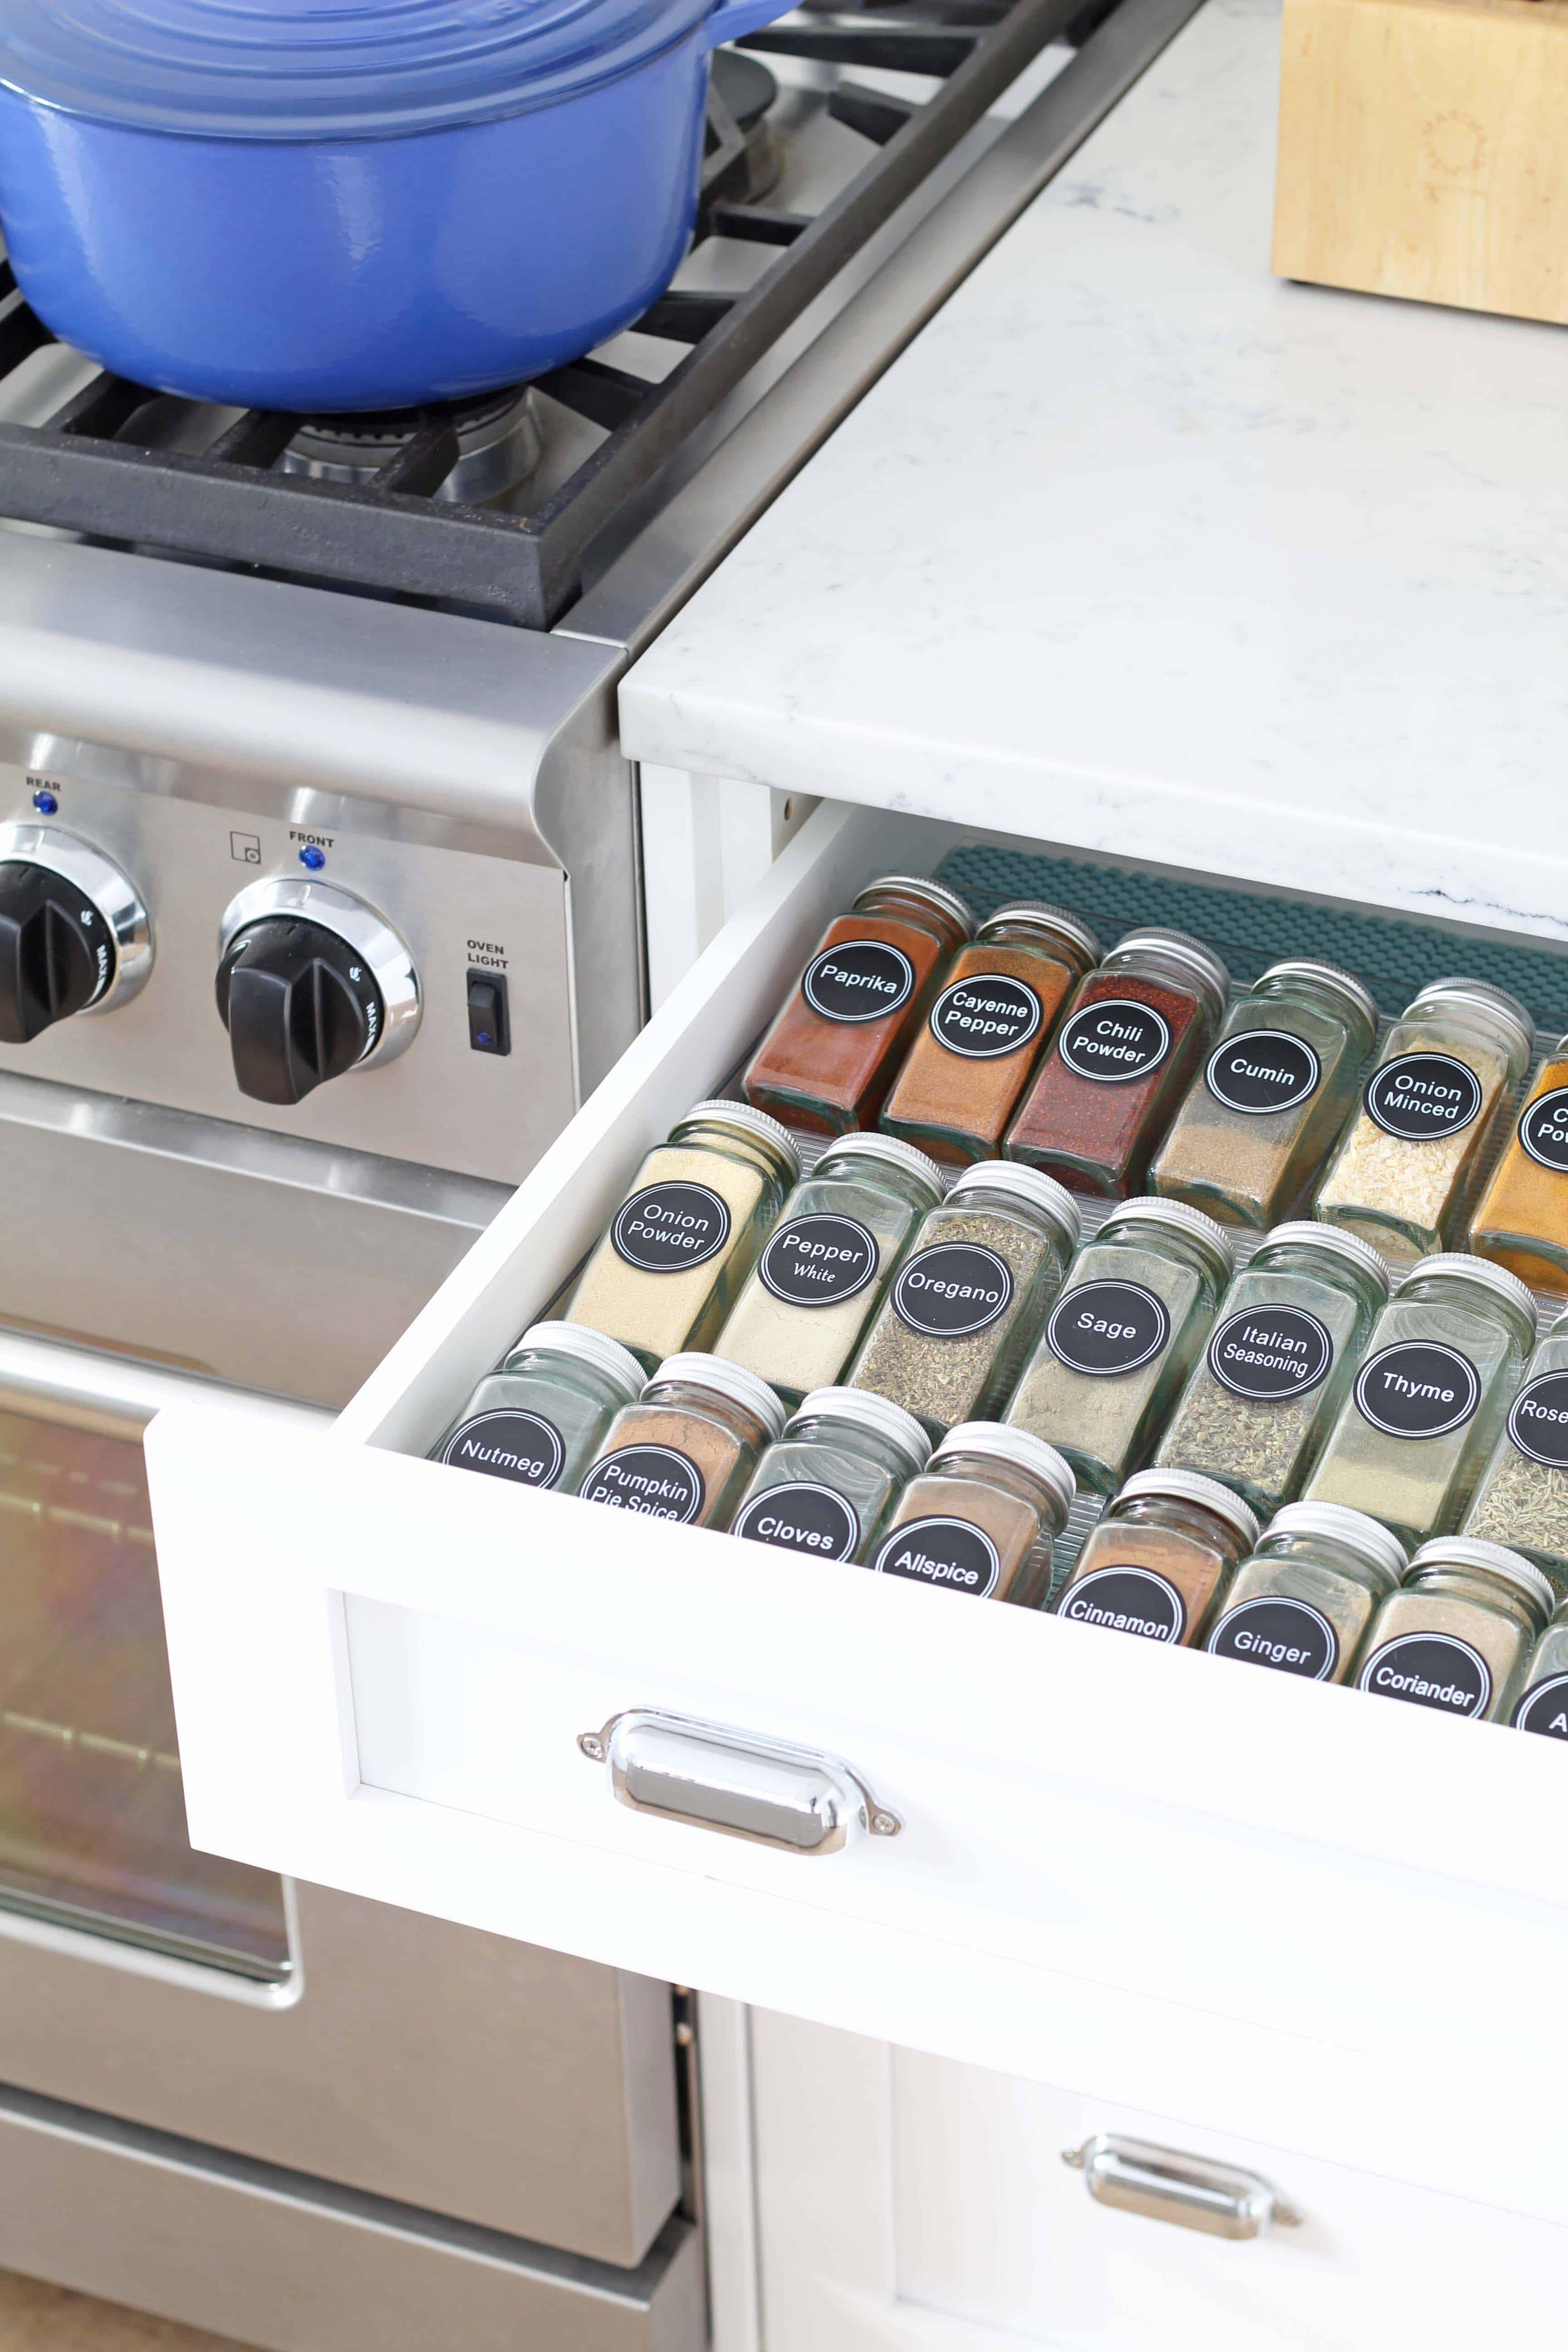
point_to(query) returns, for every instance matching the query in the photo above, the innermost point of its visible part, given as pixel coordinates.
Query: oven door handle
(106, 1395)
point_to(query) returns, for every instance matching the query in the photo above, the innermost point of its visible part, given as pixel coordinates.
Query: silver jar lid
(1327, 975)
(1378, 1545)
(1041, 913)
(893, 1152)
(750, 1121)
(1491, 1277)
(1005, 1444)
(590, 1347)
(1505, 1010)
(1305, 1232)
(1025, 1183)
(1183, 948)
(868, 1411)
(1151, 1210)
(1497, 1559)
(924, 885)
(1192, 1486)
(726, 1379)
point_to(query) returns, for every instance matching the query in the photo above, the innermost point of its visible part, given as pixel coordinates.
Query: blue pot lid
(293, 69)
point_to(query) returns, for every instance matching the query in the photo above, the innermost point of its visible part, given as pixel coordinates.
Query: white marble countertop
(1138, 549)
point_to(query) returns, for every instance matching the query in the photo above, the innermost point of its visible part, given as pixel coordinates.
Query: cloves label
(1423, 1096)
(1538, 1421)
(949, 1552)
(1544, 1709)
(1435, 1670)
(1267, 1070)
(666, 1228)
(1417, 1388)
(508, 1444)
(1105, 1328)
(1113, 1040)
(863, 980)
(1544, 1129)
(653, 1480)
(952, 1289)
(801, 1517)
(1266, 1353)
(988, 1015)
(1290, 1636)
(818, 1261)
(1127, 1601)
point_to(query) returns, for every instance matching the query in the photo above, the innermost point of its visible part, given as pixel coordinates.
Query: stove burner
(498, 438)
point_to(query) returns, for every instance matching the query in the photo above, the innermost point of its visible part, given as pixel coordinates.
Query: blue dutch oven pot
(287, 203)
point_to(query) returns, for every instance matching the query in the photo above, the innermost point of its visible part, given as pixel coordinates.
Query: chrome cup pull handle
(1162, 2184)
(709, 1776)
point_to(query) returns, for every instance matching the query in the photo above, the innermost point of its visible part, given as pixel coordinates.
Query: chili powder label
(1538, 1421)
(988, 1015)
(507, 1443)
(1544, 1129)
(948, 1552)
(1544, 1709)
(1114, 1040)
(953, 1290)
(1105, 1328)
(1435, 1670)
(1266, 1353)
(863, 980)
(1417, 1388)
(1423, 1096)
(1290, 1636)
(1267, 1070)
(1127, 1601)
(801, 1517)
(665, 1228)
(819, 1260)
(653, 1480)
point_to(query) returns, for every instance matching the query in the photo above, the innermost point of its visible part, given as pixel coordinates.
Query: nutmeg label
(1423, 1096)
(655, 1481)
(1114, 1040)
(988, 1015)
(862, 980)
(507, 1443)
(801, 1515)
(665, 1228)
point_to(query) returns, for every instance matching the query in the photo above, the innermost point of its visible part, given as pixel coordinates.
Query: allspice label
(1266, 1070)
(861, 980)
(1544, 1129)
(1114, 1040)
(1106, 1328)
(1435, 1670)
(819, 1260)
(947, 1552)
(1544, 1709)
(507, 1444)
(1423, 1097)
(987, 1014)
(1417, 1388)
(1268, 1353)
(1127, 1601)
(668, 1228)
(952, 1289)
(801, 1515)
(1289, 1635)
(1538, 1423)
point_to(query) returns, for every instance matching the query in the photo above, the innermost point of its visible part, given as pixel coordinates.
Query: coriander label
(1544, 1129)
(507, 1443)
(1289, 1635)
(863, 980)
(819, 1260)
(1538, 1421)
(1544, 1709)
(1417, 1388)
(801, 1517)
(654, 1480)
(1105, 1328)
(1423, 1096)
(1266, 1070)
(1266, 1353)
(1127, 1601)
(1435, 1669)
(948, 1552)
(987, 1014)
(1114, 1040)
(665, 1228)
(952, 1290)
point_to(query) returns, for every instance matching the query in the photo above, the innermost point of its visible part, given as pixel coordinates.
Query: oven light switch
(489, 1024)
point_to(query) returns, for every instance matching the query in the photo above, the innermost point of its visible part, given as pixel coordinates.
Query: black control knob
(312, 983)
(73, 935)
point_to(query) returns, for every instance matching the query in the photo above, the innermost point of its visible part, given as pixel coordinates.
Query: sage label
(948, 1552)
(1114, 1040)
(1105, 1328)
(1417, 1388)
(1544, 1709)
(665, 1228)
(952, 1289)
(1266, 1070)
(1538, 1421)
(654, 1480)
(1289, 1635)
(1423, 1096)
(986, 1015)
(801, 1517)
(1435, 1669)
(864, 980)
(1266, 1353)
(1127, 1601)
(507, 1443)
(819, 1260)
(1544, 1129)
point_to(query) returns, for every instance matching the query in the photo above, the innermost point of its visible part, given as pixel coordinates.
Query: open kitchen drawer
(1275, 1908)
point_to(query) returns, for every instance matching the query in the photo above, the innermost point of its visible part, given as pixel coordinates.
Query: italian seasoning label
(1105, 1328)
(948, 1552)
(1423, 1096)
(508, 1444)
(1544, 1129)
(1435, 1669)
(1291, 1636)
(1538, 1421)
(986, 1015)
(1268, 1353)
(952, 1290)
(1128, 1601)
(1266, 1070)
(819, 1260)
(863, 980)
(665, 1228)
(802, 1516)
(1544, 1709)
(1114, 1040)
(1417, 1388)
(654, 1480)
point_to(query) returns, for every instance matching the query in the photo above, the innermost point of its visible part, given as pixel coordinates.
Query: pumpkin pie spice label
(652, 1480)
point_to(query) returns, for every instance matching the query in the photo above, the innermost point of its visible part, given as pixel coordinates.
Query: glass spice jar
(827, 1484)
(1159, 1557)
(1458, 1634)
(1544, 1708)
(1522, 1495)
(983, 1518)
(1135, 1311)
(826, 1266)
(688, 1447)
(1261, 1116)
(1444, 1073)
(1117, 1065)
(830, 1055)
(987, 1029)
(967, 1301)
(1285, 1346)
(1522, 1217)
(1442, 1363)
(542, 1418)
(1302, 1600)
(683, 1241)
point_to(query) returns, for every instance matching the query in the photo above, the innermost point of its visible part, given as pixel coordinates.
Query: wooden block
(1424, 151)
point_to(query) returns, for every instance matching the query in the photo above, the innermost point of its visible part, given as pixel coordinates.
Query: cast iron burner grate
(406, 530)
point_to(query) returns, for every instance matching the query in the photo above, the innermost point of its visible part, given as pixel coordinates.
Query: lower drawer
(1276, 1908)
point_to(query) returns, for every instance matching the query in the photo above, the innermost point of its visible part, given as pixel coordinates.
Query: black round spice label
(819, 1260)
(1127, 1601)
(987, 1014)
(1435, 1669)
(953, 1290)
(1417, 1388)
(655, 1480)
(801, 1517)
(1105, 1328)
(1544, 1129)
(1114, 1040)
(948, 1552)
(1423, 1096)
(1289, 1635)
(507, 1443)
(863, 980)
(1544, 1709)
(1538, 1421)
(665, 1228)
(1266, 1353)
(1266, 1070)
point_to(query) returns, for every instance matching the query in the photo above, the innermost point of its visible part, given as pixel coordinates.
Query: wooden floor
(38, 2318)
